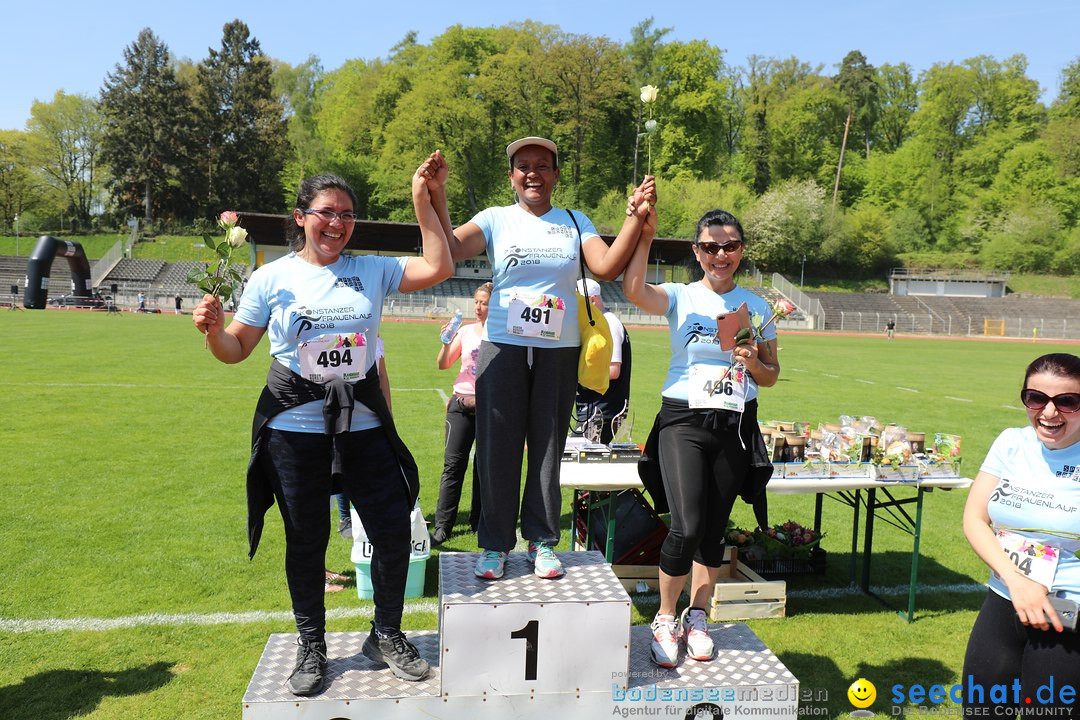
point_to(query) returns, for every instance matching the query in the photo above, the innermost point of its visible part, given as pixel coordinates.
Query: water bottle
(451, 328)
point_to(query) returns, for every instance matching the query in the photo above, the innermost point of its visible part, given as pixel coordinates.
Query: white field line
(795, 369)
(950, 397)
(1011, 407)
(906, 389)
(241, 618)
(411, 607)
(851, 591)
(830, 375)
(865, 382)
(442, 394)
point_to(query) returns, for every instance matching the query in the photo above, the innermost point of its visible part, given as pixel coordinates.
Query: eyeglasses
(711, 248)
(1035, 400)
(348, 217)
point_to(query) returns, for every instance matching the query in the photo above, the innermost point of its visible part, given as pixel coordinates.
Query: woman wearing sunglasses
(321, 421)
(1022, 517)
(705, 438)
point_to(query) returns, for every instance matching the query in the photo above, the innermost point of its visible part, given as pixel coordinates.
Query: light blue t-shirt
(1038, 488)
(691, 313)
(535, 255)
(297, 301)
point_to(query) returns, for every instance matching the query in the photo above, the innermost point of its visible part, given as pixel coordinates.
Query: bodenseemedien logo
(862, 694)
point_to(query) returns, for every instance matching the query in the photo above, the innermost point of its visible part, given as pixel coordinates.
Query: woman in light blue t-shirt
(705, 440)
(526, 374)
(1022, 518)
(322, 423)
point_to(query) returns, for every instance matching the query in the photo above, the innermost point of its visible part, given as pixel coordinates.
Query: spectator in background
(142, 302)
(178, 301)
(617, 398)
(460, 420)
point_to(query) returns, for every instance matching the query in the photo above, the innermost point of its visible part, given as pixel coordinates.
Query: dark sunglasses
(711, 248)
(1035, 400)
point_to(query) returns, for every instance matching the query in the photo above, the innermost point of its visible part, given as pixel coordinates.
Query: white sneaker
(665, 644)
(695, 631)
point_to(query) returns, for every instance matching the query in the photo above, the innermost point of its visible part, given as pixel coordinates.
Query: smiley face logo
(862, 693)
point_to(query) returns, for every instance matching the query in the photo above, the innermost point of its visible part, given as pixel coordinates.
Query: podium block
(530, 649)
(522, 635)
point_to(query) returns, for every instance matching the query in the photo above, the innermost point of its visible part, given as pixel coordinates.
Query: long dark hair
(309, 188)
(1059, 364)
(712, 217)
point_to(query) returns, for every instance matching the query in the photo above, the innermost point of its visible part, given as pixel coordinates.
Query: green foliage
(786, 224)
(240, 127)
(1026, 240)
(64, 146)
(146, 137)
(860, 243)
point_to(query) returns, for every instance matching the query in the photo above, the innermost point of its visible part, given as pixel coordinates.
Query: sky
(71, 46)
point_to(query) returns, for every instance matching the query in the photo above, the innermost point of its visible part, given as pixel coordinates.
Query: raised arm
(650, 298)
(450, 352)
(435, 264)
(607, 262)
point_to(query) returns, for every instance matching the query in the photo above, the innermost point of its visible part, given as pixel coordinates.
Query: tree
(144, 113)
(19, 188)
(898, 99)
(693, 108)
(1067, 104)
(787, 223)
(241, 127)
(65, 147)
(859, 91)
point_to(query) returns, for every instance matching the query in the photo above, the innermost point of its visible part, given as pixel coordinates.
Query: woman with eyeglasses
(1022, 518)
(705, 448)
(322, 424)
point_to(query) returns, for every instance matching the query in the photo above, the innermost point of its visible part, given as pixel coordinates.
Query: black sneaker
(399, 654)
(439, 536)
(308, 677)
(344, 528)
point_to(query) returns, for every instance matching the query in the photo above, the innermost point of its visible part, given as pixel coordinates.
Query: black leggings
(298, 466)
(1001, 650)
(460, 433)
(703, 471)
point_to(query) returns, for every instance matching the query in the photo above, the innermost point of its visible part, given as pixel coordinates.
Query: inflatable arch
(39, 267)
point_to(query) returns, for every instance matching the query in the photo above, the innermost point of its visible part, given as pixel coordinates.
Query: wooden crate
(747, 596)
(631, 575)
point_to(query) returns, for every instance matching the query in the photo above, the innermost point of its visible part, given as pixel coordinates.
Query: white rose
(648, 94)
(237, 236)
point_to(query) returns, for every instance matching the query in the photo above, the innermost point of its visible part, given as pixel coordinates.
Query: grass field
(127, 592)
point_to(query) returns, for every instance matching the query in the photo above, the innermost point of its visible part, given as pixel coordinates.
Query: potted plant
(786, 548)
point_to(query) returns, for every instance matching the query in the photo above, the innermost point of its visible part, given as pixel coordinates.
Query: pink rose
(228, 218)
(783, 307)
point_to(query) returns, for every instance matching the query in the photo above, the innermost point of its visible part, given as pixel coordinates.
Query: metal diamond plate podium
(532, 649)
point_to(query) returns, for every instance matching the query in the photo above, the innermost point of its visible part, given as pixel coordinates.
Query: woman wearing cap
(527, 368)
(706, 440)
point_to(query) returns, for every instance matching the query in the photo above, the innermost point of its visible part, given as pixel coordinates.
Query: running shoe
(395, 651)
(308, 675)
(665, 643)
(491, 565)
(695, 633)
(545, 563)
